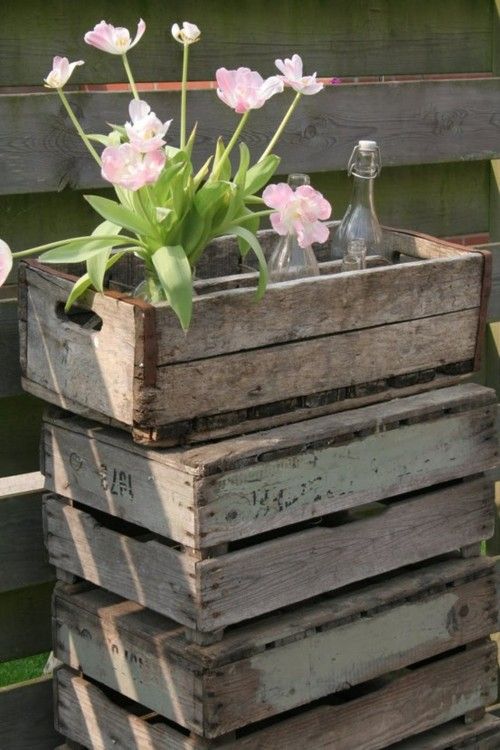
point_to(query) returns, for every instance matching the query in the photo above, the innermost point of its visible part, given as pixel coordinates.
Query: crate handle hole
(80, 317)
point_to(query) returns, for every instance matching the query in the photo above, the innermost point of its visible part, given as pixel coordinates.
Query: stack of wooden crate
(314, 584)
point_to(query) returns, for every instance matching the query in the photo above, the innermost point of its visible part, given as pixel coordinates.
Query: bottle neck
(362, 192)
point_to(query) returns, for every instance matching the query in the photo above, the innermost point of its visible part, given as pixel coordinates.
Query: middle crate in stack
(218, 537)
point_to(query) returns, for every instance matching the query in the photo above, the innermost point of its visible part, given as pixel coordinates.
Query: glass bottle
(289, 260)
(360, 221)
(355, 257)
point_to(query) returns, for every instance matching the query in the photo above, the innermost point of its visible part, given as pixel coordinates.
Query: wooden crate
(385, 712)
(208, 593)
(205, 496)
(282, 661)
(313, 346)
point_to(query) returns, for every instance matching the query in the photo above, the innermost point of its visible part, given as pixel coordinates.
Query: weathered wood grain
(318, 649)
(413, 701)
(291, 312)
(75, 361)
(25, 621)
(451, 36)
(148, 572)
(414, 121)
(235, 488)
(23, 558)
(21, 484)
(482, 735)
(264, 375)
(211, 593)
(26, 716)
(267, 576)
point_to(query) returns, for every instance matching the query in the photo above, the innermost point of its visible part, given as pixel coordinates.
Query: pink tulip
(298, 212)
(293, 76)
(61, 72)
(245, 89)
(115, 40)
(146, 130)
(126, 167)
(5, 261)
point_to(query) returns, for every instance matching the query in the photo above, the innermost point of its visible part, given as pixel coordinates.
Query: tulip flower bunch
(165, 212)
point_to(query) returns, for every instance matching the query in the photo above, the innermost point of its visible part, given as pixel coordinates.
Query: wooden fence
(419, 77)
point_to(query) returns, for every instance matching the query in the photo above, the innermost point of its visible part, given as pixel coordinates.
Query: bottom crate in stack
(359, 670)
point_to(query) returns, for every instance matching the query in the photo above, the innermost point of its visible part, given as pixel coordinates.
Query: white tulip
(188, 34)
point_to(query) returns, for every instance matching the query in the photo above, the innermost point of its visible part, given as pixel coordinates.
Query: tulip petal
(5, 261)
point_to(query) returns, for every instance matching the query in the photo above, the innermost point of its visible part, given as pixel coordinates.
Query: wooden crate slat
(26, 716)
(213, 593)
(243, 486)
(23, 558)
(317, 649)
(21, 484)
(413, 122)
(413, 702)
(406, 532)
(451, 36)
(25, 621)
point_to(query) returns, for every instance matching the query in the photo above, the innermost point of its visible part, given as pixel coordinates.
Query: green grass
(20, 670)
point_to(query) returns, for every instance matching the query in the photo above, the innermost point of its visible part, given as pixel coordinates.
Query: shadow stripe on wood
(413, 122)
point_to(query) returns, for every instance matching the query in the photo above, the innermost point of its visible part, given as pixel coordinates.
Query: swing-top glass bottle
(360, 221)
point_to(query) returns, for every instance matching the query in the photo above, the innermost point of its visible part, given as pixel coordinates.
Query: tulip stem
(230, 145)
(185, 62)
(78, 127)
(129, 75)
(277, 135)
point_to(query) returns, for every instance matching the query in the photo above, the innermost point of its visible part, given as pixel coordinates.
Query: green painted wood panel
(26, 716)
(20, 421)
(25, 627)
(413, 122)
(23, 558)
(346, 38)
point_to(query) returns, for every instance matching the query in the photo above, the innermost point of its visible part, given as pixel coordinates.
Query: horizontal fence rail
(413, 122)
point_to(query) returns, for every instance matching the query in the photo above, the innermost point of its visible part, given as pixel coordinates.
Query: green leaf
(223, 172)
(192, 230)
(80, 250)
(84, 282)
(202, 173)
(98, 138)
(162, 186)
(208, 197)
(190, 142)
(174, 272)
(254, 243)
(260, 174)
(118, 214)
(241, 174)
(96, 265)
(252, 224)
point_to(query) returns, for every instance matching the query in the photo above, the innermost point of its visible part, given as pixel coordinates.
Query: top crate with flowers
(308, 346)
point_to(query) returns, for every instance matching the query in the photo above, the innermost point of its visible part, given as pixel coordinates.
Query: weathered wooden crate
(209, 593)
(223, 533)
(387, 711)
(205, 496)
(282, 661)
(312, 346)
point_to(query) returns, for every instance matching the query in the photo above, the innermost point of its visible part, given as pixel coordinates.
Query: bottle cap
(368, 145)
